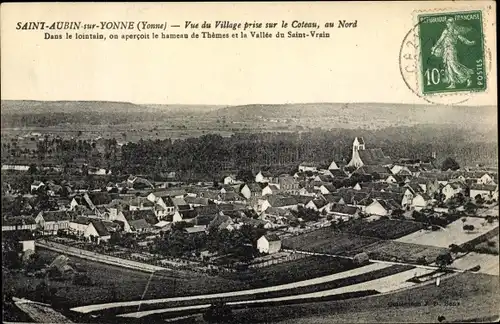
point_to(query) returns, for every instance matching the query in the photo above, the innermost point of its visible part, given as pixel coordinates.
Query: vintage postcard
(272, 162)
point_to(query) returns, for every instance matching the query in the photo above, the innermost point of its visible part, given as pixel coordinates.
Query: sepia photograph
(268, 162)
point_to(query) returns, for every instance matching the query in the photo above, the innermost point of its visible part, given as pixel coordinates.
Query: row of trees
(214, 151)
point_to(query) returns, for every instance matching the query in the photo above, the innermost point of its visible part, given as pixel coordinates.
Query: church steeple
(357, 145)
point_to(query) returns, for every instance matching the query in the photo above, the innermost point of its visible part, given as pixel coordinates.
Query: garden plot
(403, 252)
(386, 229)
(452, 234)
(326, 240)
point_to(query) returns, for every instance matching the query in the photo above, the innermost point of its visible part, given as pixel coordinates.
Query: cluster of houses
(269, 200)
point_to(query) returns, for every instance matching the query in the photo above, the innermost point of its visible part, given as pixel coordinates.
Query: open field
(452, 234)
(489, 263)
(464, 296)
(326, 240)
(386, 229)
(341, 277)
(370, 279)
(386, 283)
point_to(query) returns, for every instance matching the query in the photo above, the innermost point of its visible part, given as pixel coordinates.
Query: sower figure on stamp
(446, 47)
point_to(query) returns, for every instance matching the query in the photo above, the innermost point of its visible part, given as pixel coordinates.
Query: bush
(361, 259)
(422, 260)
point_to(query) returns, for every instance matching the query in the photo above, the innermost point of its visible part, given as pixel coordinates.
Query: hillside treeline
(244, 151)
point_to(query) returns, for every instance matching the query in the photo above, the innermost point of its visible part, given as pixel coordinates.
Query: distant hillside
(20, 113)
(397, 113)
(27, 113)
(34, 107)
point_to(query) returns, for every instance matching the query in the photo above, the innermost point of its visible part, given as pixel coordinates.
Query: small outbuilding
(270, 244)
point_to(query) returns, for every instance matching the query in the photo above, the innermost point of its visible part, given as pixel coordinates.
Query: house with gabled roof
(486, 191)
(303, 200)
(379, 207)
(278, 201)
(403, 198)
(333, 166)
(251, 189)
(187, 215)
(394, 179)
(308, 167)
(323, 178)
(270, 189)
(452, 189)
(172, 193)
(334, 199)
(337, 174)
(221, 222)
(49, 222)
(196, 201)
(36, 185)
(318, 205)
(420, 201)
(327, 188)
(141, 203)
(344, 211)
(263, 177)
(486, 179)
(228, 188)
(269, 243)
(132, 220)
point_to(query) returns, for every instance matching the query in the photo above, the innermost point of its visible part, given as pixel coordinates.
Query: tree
(479, 199)
(245, 175)
(398, 213)
(32, 169)
(422, 260)
(455, 248)
(470, 207)
(450, 164)
(444, 259)
(468, 227)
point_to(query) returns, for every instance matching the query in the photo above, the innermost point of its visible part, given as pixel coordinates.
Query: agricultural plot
(326, 240)
(292, 271)
(403, 252)
(489, 247)
(386, 229)
(489, 264)
(330, 283)
(452, 234)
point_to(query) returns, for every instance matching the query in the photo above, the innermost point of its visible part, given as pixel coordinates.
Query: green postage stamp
(451, 52)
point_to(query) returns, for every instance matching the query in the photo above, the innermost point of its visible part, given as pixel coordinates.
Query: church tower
(357, 145)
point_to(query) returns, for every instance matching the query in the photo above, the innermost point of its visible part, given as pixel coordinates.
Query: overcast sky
(354, 65)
